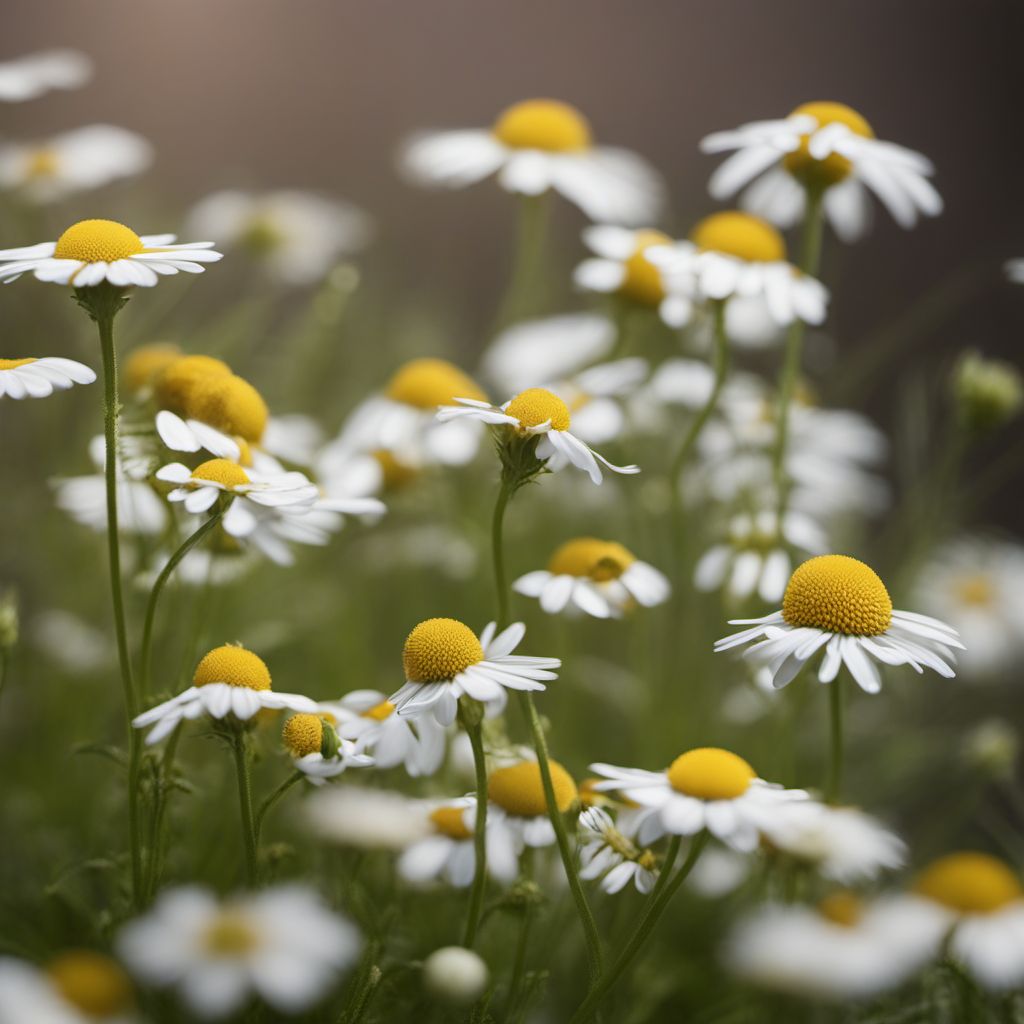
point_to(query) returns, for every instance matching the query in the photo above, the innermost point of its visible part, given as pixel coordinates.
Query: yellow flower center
(396, 474)
(229, 404)
(838, 594)
(843, 908)
(13, 364)
(519, 791)
(261, 236)
(535, 406)
(710, 773)
(97, 241)
(428, 383)
(380, 712)
(972, 883)
(642, 282)
(147, 363)
(439, 649)
(834, 168)
(543, 124)
(232, 665)
(221, 471)
(741, 235)
(177, 381)
(303, 734)
(231, 934)
(91, 982)
(42, 163)
(589, 795)
(975, 590)
(450, 821)
(600, 560)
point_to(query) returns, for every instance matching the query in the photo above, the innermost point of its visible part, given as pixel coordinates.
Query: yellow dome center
(380, 712)
(42, 163)
(303, 734)
(834, 168)
(176, 382)
(439, 649)
(97, 241)
(543, 124)
(231, 934)
(428, 383)
(838, 594)
(451, 822)
(975, 590)
(396, 473)
(843, 908)
(147, 363)
(13, 364)
(91, 982)
(535, 406)
(600, 560)
(972, 883)
(642, 282)
(710, 773)
(221, 471)
(229, 404)
(741, 235)
(519, 791)
(232, 665)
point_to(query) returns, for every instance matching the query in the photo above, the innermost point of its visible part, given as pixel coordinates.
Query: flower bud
(992, 747)
(988, 392)
(455, 975)
(8, 620)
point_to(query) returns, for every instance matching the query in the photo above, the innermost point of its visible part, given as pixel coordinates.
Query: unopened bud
(988, 392)
(455, 975)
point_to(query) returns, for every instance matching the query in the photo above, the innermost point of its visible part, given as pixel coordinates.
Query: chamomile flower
(40, 377)
(367, 819)
(837, 603)
(599, 577)
(229, 682)
(620, 266)
(444, 660)
(537, 413)
(518, 804)
(283, 945)
(825, 146)
(93, 251)
(597, 398)
(28, 77)
(447, 853)
(536, 146)
(608, 853)
(318, 751)
(90, 157)
(706, 788)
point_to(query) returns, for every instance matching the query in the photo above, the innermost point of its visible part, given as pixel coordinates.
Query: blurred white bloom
(718, 872)
(536, 146)
(28, 77)
(40, 377)
(283, 945)
(519, 807)
(608, 852)
(596, 398)
(1015, 270)
(456, 975)
(224, 564)
(294, 437)
(431, 546)
(993, 746)
(368, 819)
(71, 642)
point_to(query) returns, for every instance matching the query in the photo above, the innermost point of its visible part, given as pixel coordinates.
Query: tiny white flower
(608, 852)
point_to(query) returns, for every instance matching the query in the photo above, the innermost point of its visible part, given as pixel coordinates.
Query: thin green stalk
(522, 944)
(159, 815)
(272, 799)
(656, 904)
(476, 896)
(526, 270)
(498, 552)
(245, 804)
(835, 772)
(4, 660)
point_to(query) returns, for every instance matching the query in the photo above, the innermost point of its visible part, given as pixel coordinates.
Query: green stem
(526, 271)
(656, 904)
(272, 799)
(498, 552)
(159, 815)
(522, 944)
(245, 804)
(835, 773)
(476, 896)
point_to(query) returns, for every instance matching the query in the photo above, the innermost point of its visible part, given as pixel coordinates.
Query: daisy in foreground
(229, 682)
(93, 251)
(283, 945)
(536, 146)
(39, 378)
(829, 148)
(837, 603)
(706, 788)
(599, 577)
(444, 660)
(538, 413)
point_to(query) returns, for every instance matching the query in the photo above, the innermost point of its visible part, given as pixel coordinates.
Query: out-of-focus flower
(992, 747)
(519, 806)
(73, 644)
(1015, 270)
(456, 975)
(988, 392)
(28, 77)
(40, 377)
(608, 852)
(367, 819)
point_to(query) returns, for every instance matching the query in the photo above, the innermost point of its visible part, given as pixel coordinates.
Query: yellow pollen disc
(396, 474)
(834, 168)
(229, 404)
(519, 791)
(976, 590)
(647, 860)
(643, 282)
(600, 560)
(380, 712)
(543, 124)
(535, 406)
(221, 471)
(91, 982)
(232, 665)
(230, 935)
(741, 235)
(13, 364)
(972, 883)
(439, 649)
(97, 241)
(591, 797)
(450, 821)
(838, 594)
(176, 382)
(843, 908)
(42, 163)
(710, 773)
(145, 364)
(428, 383)
(303, 734)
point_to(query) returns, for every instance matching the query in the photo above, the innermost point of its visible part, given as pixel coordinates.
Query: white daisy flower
(706, 788)
(519, 808)
(829, 147)
(220, 562)
(366, 819)
(620, 266)
(368, 718)
(228, 681)
(284, 945)
(40, 377)
(28, 77)
(532, 413)
(842, 949)
(837, 603)
(318, 751)
(447, 853)
(599, 577)
(90, 157)
(93, 251)
(444, 660)
(1015, 270)
(755, 557)
(608, 853)
(596, 399)
(536, 146)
